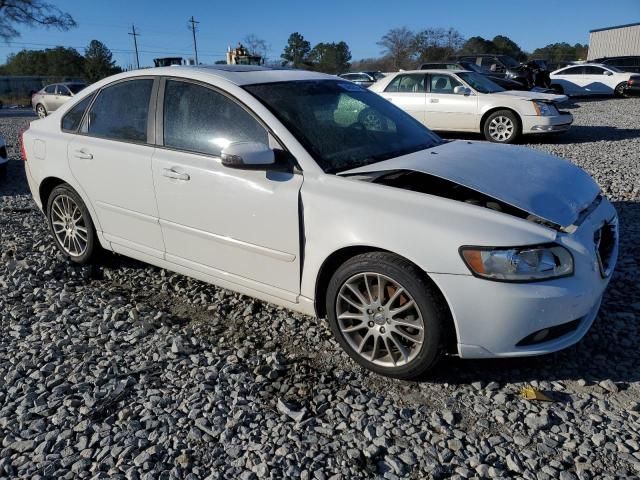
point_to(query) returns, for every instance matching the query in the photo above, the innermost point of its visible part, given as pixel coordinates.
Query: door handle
(434, 100)
(171, 173)
(83, 154)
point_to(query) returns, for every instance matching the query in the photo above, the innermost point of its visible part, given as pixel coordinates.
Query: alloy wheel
(501, 128)
(69, 225)
(41, 111)
(379, 319)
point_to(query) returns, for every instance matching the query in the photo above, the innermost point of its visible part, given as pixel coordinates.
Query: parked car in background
(364, 79)
(502, 66)
(276, 184)
(465, 65)
(4, 156)
(591, 79)
(626, 64)
(464, 101)
(52, 96)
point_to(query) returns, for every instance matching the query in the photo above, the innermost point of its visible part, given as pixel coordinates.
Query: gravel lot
(127, 371)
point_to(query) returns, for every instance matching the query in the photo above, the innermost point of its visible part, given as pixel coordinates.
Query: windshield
(473, 67)
(378, 75)
(75, 87)
(342, 125)
(509, 62)
(480, 83)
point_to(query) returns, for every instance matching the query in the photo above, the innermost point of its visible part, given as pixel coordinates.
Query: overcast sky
(164, 28)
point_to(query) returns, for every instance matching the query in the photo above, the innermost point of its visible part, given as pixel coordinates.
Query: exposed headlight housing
(544, 109)
(518, 264)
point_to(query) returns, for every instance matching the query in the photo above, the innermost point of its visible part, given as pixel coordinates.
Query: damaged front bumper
(552, 124)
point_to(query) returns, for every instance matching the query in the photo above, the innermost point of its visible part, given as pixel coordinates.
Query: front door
(238, 225)
(111, 159)
(447, 110)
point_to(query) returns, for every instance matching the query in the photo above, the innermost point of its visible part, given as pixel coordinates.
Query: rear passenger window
(121, 111)
(572, 71)
(71, 120)
(51, 89)
(201, 120)
(593, 71)
(407, 84)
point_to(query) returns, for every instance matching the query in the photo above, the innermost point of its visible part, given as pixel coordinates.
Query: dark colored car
(626, 64)
(505, 83)
(364, 79)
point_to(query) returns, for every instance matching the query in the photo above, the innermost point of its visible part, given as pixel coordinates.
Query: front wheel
(386, 315)
(502, 126)
(71, 225)
(41, 111)
(619, 90)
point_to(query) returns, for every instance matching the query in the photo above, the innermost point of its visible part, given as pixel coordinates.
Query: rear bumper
(632, 89)
(538, 124)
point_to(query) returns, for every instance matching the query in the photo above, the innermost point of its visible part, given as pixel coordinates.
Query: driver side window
(443, 83)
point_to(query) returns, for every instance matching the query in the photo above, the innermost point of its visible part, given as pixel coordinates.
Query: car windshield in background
(378, 75)
(76, 87)
(342, 125)
(509, 62)
(480, 83)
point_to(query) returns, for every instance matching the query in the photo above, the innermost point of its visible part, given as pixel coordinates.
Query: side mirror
(607, 72)
(460, 90)
(247, 155)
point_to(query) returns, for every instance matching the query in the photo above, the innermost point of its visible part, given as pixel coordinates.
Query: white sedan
(591, 79)
(274, 184)
(463, 101)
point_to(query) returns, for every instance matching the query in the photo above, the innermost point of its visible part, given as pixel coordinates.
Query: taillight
(22, 150)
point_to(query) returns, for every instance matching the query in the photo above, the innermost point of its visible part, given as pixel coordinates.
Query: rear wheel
(619, 90)
(502, 126)
(71, 225)
(41, 111)
(386, 315)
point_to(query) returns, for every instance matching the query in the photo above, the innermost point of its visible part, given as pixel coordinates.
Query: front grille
(605, 240)
(3, 152)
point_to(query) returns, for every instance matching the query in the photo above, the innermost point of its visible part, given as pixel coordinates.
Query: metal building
(616, 41)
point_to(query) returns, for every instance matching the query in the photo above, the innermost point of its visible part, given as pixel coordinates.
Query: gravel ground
(123, 370)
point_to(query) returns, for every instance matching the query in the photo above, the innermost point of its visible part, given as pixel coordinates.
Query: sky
(165, 31)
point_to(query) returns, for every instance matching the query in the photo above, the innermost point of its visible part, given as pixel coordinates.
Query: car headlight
(544, 109)
(518, 264)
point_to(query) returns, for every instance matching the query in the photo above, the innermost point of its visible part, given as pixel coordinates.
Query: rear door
(408, 92)
(111, 159)
(571, 80)
(446, 110)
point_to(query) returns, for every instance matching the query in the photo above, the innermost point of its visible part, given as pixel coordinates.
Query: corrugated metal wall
(615, 42)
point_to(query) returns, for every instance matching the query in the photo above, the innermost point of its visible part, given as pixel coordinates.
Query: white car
(4, 157)
(590, 79)
(272, 183)
(464, 101)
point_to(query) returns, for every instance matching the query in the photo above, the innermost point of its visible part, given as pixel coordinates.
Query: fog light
(541, 335)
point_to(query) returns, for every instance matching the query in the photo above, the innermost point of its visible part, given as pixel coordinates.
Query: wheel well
(557, 87)
(337, 258)
(46, 187)
(489, 112)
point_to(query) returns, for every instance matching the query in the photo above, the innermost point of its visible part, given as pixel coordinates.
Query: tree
(297, 50)
(561, 52)
(56, 63)
(256, 46)
(436, 44)
(98, 62)
(477, 45)
(31, 13)
(506, 46)
(330, 57)
(399, 44)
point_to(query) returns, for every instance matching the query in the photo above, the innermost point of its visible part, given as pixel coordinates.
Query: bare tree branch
(31, 13)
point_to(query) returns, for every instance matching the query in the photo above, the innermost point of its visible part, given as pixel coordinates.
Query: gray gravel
(123, 370)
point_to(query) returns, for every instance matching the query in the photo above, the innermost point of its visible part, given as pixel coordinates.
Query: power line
(193, 30)
(135, 43)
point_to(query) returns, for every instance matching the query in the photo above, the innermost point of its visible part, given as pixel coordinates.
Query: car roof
(435, 70)
(236, 74)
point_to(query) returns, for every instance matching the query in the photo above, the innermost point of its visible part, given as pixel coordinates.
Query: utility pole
(193, 30)
(135, 43)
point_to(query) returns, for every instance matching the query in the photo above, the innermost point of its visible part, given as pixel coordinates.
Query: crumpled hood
(545, 97)
(546, 186)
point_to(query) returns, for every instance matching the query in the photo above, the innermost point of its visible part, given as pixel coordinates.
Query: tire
(619, 90)
(375, 332)
(558, 89)
(41, 111)
(502, 126)
(71, 225)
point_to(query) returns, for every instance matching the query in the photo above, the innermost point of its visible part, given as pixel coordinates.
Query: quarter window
(121, 111)
(71, 120)
(407, 84)
(199, 119)
(443, 83)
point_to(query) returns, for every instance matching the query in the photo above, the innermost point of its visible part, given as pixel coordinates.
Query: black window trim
(159, 120)
(150, 115)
